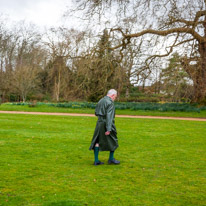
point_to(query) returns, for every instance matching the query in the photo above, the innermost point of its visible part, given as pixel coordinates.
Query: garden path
(92, 115)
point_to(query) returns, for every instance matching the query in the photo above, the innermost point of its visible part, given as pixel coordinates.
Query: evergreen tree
(175, 81)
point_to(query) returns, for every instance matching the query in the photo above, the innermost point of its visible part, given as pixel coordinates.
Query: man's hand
(107, 133)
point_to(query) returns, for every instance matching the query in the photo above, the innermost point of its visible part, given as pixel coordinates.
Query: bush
(152, 106)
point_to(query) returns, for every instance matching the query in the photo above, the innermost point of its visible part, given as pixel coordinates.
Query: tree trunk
(23, 98)
(197, 73)
(200, 77)
(127, 92)
(199, 84)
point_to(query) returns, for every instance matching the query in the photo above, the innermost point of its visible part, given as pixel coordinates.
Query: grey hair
(111, 92)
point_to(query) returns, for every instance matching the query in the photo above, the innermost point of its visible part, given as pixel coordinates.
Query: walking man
(105, 134)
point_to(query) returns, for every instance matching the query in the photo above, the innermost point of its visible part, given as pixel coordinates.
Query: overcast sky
(40, 12)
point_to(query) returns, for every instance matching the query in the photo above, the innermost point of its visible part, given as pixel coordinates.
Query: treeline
(66, 65)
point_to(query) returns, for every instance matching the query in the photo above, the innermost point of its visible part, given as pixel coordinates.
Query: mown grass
(45, 108)
(45, 161)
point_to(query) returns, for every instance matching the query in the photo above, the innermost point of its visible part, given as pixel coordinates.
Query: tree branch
(167, 32)
(169, 52)
(199, 14)
(126, 37)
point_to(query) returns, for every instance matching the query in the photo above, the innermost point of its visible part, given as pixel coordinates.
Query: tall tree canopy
(161, 28)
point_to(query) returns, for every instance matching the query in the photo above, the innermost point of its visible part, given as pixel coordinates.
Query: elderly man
(105, 134)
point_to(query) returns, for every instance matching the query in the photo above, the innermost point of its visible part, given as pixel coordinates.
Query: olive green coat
(105, 111)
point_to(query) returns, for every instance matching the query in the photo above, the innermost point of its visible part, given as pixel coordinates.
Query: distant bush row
(185, 107)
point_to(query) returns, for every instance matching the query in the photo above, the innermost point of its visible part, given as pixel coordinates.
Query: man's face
(114, 96)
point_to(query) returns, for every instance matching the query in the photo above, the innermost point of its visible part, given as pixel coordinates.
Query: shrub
(152, 106)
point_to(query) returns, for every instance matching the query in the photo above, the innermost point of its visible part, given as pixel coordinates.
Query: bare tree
(25, 81)
(8, 44)
(164, 26)
(28, 60)
(21, 60)
(63, 45)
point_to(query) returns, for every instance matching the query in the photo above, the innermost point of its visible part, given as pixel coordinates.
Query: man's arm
(109, 118)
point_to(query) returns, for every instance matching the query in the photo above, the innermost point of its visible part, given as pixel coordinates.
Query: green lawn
(45, 108)
(45, 161)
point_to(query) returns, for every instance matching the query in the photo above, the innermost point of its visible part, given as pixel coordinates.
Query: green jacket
(105, 111)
